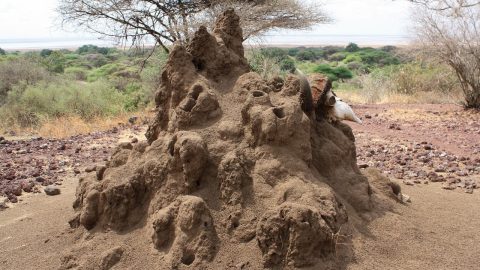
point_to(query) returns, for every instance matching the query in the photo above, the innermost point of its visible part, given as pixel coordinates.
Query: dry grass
(69, 126)
(388, 97)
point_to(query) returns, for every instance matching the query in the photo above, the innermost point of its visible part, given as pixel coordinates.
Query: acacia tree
(169, 21)
(453, 36)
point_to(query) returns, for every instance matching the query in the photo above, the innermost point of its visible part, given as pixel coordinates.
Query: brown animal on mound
(234, 173)
(323, 96)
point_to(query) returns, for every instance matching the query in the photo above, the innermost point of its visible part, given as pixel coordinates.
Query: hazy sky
(34, 19)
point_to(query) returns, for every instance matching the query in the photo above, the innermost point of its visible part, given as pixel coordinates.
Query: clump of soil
(234, 174)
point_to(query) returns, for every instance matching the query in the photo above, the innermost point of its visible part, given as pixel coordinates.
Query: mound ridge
(234, 175)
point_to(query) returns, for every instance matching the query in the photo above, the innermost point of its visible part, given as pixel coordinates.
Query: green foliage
(334, 73)
(78, 73)
(274, 53)
(352, 47)
(287, 64)
(55, 62)
(16, 71)
(45, 52)
(103, 71)
(418, 77)
(93, 49)
(29, 106)
(2, 52)
(293, 52)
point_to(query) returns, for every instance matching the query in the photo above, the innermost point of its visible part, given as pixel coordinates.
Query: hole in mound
(197, 89)
(279, 112)
(171, 146)
(235, 223)
(188, 257)
(258, 93)
(199, 64)
(189, 104)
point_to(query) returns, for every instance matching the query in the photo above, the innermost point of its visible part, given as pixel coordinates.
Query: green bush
(19, 70)
(293, 51)
(287, 64)
(339, 56)
(103, 71)
(332, 73)
(45, 52)
(352, 47)
(2, 52)
(306, 56)
(78, 73)
(55, 62)
(31, 105)
(274, 53)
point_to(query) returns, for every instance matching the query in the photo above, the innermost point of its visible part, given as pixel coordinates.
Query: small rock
(90, 169)
(52, 190)
(449, 186)
(3, 203)
(62, 147)
(440, 169)
(40, 179)
(428, 147)
(111, 257)
(368, 116)
(408, 183)
(363, 166)
(134, 140)
(405, 198)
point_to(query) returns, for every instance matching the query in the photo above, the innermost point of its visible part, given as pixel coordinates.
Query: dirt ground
(437, 230)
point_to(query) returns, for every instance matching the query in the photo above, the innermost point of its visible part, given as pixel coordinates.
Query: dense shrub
(78, 73)
(352, 47)
(334, 73)
(2, 52)
(92, 49)
(31, 105)
(19, 70)
(287, 64)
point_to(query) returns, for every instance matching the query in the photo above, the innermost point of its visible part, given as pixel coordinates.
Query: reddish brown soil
(419, 143)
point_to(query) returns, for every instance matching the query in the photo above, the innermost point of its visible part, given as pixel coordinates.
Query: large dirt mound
(234, 175)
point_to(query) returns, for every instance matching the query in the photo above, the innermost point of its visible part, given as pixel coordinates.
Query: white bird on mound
(343, 111)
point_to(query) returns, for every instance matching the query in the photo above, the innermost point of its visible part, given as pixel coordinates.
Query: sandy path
(438, 230)
(33, 233)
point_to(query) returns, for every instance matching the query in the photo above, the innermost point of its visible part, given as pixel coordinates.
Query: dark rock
(134, 140)
(12, 198)
(132, 120)
(40, 179)
(52, 190)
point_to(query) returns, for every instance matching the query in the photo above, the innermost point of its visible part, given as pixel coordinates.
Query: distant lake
(272, 40)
